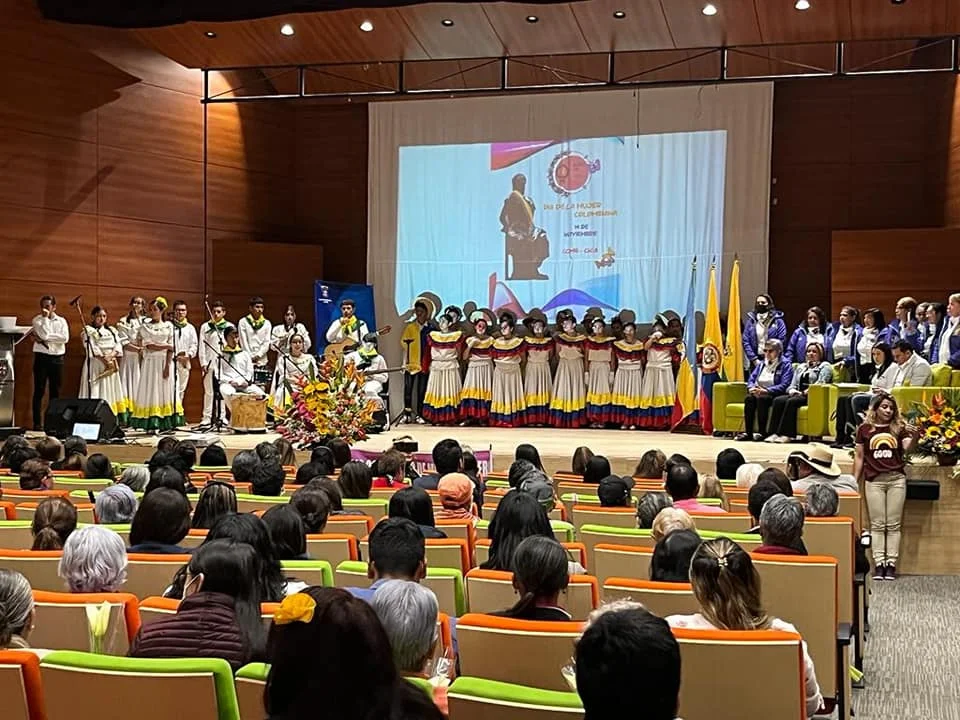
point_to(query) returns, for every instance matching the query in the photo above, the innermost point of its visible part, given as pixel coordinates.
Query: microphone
(73, 303)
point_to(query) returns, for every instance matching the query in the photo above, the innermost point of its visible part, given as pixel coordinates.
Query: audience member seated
(288, 456)
(627, 664)
(397, 552)
(912, 369)
(786, 408)
(213, 456)
(520, 470)
(73, 447)
(415, 504)
(53, 521)
(360, 677)
(36, 475)
(307, 472)
(598, 467)
(99, 467)
(161, 522)
(779, 478)
(16, 610)
(712, 488)
(649, 506)
(167, 444)
(762, 491)
(817, 467)
(669, 520)
(219, 616)
(578, 463)
(848, 407)
(683, 485)
(135, 477)
(245, 464)
(471, 468)
(456, 498)
(75, 463)
(822, 501)
(286, 532)
(934, 320)
(769, 380)
(341, 452)
(267, 452)
(614, 491)
(781, 527)
(652, 465)
(216, 500)
(528, 452)
(408, 612)
(323, 458)
(94, 561)
(356, 480)
(447, 458)
(391, 470)
(115, 505)
(728, 462)
(19, 455)
(672, 555)
(268, 478)
(727, 588)
(9, 445)
(186, 454)
(747, 475)
(49, 448)
(540, 573)
(334, 495)
(312, 502)
(167, 477)
(674, 460)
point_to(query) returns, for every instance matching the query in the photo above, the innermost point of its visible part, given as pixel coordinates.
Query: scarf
(217, 326)
(368, 354)
(256, 324)
(232, 351)
(178, 324)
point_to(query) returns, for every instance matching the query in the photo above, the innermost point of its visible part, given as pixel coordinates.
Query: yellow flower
(950, 434)
(934, 432)
(295, 608)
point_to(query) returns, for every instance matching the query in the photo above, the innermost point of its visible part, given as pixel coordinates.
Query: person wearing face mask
(568, 405)
(841, 343)
(763, 323)
(769, 380)
(369, 359)
(600, 368)
(628, 381)
(658, 388)
(478, 380)
(904, 326)
(537, 379)
(783, 414)
(294, 365)
(948, 348)
(875, 331)
(282, 333)
(509, 405)
(441, 402)
(809, 331)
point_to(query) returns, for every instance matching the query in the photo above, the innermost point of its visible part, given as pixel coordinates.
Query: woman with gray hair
(135, 477)
(115, 505)
(781, 527)
(822, 500)
(16, 610)
(94, 561)
(768, 381)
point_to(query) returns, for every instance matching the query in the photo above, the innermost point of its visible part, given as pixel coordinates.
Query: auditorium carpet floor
(912, 659)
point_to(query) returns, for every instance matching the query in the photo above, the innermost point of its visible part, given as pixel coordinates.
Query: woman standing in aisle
(537, 381)
(509, 406)
(659, 387)
(100, 377)
(628, 381)
(155, 405)
(298, 364)
(478, 381)
(599, 353)
(441, 403)
(568, 406)
(128, 328)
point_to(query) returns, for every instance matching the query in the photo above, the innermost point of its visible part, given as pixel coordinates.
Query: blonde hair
(711, 487)
(727, 586)
(668, 520)
(873, 419)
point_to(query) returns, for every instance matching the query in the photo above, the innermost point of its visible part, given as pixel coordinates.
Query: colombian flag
(685, 406)
(733, 350)
(711, 356)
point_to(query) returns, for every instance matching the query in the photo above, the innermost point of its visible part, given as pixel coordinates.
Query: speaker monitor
(64, 413)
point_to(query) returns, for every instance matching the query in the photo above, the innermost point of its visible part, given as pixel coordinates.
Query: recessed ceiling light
(447, 22)
(802, 5)
(619, 14)
(287, 29)
(532, 19)
(210, 34)
(898, 2)
(709, 9)
(366, 26)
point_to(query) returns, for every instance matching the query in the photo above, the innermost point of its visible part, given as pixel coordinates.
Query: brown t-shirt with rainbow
(882, 449)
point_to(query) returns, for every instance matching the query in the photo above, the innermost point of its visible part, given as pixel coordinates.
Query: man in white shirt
(186, 343)
(211, 343)
(912, 370)
(371, 362)
(236, 371)
(255, 332)
(348, 326)
(50, 336)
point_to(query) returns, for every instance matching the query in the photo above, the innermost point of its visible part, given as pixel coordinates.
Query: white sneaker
(783, 440)
(773, 439)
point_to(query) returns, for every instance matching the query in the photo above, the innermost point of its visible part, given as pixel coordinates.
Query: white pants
(208, 400)
(372, 390)
(229, 392)
(183, 378)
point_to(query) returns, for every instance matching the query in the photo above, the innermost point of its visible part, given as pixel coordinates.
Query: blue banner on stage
(326, 305)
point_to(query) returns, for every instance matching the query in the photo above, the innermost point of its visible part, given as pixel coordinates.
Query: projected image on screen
(608, 222)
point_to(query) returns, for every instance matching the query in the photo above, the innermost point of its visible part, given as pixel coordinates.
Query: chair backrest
(16, 534)
(374, 507)
(523, 651)
(121, 529)
(357, 525)
(446, 583)
(38, 566)
(26, 511)
(625, 517)
(776, 657)
(17, 495)
(733, 522)
(20, 686)
(332, 547)
(70, 484)
(562, 530)
(477, 699)
(577, 552)
(621, 561)
(593, 535)
(8, 510)
(251, 680)
(462, 529)
(660, 598)
(833, 537)
(441, 552)
(251, 503)
(493, 501)
(194, 538)
(492, 590)
(151, 574)
(61, 621)
(851, 506)
(312, 572)
(157, 688)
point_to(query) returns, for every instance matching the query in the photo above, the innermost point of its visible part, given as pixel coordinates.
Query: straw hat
(820, 459)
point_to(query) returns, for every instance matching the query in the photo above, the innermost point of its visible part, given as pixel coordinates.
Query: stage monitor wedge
(64, 414)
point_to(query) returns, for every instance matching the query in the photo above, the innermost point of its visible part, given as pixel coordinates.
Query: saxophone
(112, 368)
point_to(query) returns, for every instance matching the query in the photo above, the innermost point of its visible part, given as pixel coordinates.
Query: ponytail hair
(727, 586)
(540, 571)
(52, 524)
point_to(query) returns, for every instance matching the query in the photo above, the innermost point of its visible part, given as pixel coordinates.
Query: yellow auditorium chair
(149, 574)
(625, 517)
(374, 507)
(575, 550)
(732, 522)
(621, 561)
(446, 584)
(116, 687)
(332, 547)
(526, 652)
(660, 598)
(441, 552)
(194, 538)
(478, 699)
(21, 690)
(463, 529)
(123, 530)
(37, 566)
(247, 503)
(312, 572)
(61, 621)
(492, 590)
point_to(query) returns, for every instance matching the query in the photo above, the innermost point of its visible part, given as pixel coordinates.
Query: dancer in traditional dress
(282, 334)
(441, 403)
(509, 405)
(659, 388)
(155, 405)
(569, 401)
(100, 377)
(537, 381)
(128, 328)
(599, 354)
(478, 381)
(295, 364)
(628, 381)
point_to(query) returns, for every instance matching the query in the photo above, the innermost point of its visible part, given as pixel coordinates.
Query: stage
(622, 447)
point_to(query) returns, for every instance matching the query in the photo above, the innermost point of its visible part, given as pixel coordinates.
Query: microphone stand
(413, 389)
(89, 343)
(285, 357)
(176, 372)
(216, 425)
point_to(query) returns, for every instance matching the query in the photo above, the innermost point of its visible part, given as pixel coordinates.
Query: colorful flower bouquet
(938, 425)
(330, 405)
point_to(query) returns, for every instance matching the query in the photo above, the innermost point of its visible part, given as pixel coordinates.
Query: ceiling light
(366, 26)
(532, 19)
(447, 22)
(210, 34)
(802, 5)
(287, 29)
(619, 14)
(709, 9)
(898, 2)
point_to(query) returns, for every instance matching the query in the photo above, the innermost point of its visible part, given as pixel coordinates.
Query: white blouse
(865, 346)
(843, 342)
(767, 375)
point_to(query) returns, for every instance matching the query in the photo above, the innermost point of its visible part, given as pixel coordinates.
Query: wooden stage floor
(623, 448)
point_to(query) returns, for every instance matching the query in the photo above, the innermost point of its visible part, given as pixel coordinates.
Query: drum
(248, 413)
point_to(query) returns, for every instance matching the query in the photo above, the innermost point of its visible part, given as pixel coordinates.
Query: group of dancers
(487, 371)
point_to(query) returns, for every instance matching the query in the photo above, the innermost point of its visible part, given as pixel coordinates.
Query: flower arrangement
(327, 405)
(938, 426)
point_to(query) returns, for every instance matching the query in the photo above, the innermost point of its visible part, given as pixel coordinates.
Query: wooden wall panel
(51, 246)
(48, 172)
(151, 254)
(154, 120)
(254, 136)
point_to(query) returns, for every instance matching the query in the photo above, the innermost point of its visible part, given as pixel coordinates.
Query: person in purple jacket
(841, 342)
(904, 326)
(763, 323)
(810, 330)
(948, 347)
(769, 380)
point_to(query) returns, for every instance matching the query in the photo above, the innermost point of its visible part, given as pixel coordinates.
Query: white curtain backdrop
(743, 110)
